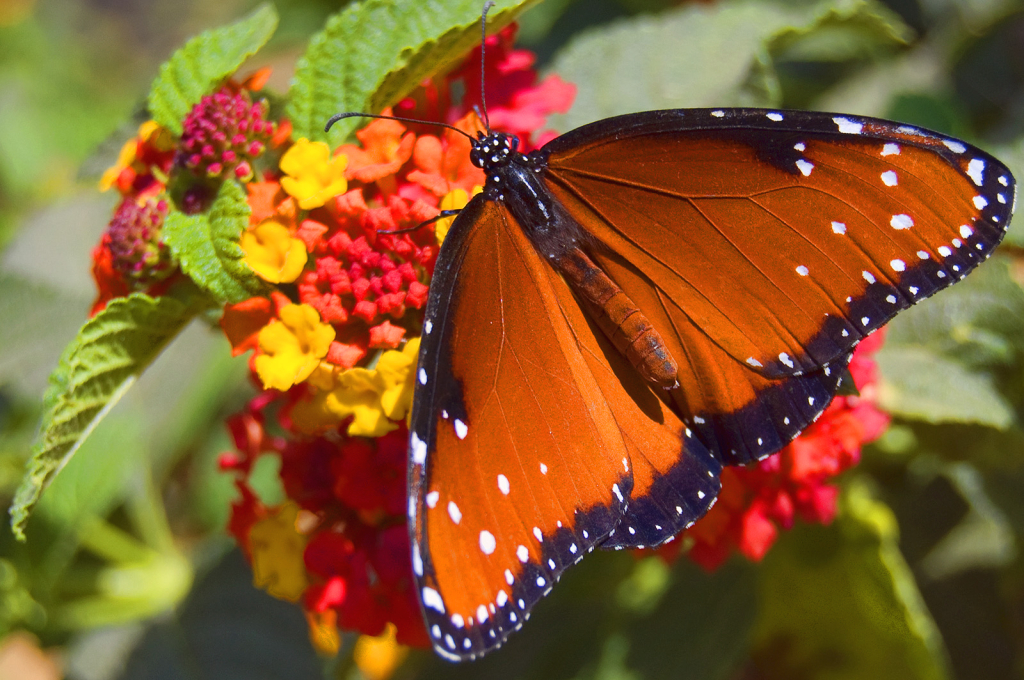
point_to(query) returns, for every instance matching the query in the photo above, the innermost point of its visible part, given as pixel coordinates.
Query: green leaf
(373, 53)
(703, 618)
(840, 602)
(920, 384)
(41, 321)
(207, 249)
(721, 54)
(97, 368)
(982, 540)
(225, 629)
(204, 61)
(979, 322)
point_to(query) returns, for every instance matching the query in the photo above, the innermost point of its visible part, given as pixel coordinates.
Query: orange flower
(443, 165)
(385, 150)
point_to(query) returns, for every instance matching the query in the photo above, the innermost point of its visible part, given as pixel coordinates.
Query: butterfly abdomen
(620, 319)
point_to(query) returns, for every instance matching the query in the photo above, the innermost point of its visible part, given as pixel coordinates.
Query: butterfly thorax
(517, 181)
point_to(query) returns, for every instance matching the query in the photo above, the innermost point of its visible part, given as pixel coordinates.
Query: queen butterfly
(642, 301)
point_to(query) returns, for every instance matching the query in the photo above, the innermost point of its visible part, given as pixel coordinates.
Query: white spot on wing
(805, 167)
(537, 534)
(543, 469)
(427, 327)
(847, 126)
(461, 429)
(774, 116)
(980, 202)
(901, 221)
(618, 494)
(458, 621)
(868, 276)
(481, 613)
(454, 512)
(417, 560)
(432, 499)
(718, 114)
(954, 146)
(503, 484)
(966, 231)
(945, 251)
(419, 449)
(784, 358)
(800, 146)
(838, 228)
(898, 265)
(487, 542)
(891, 150)
(889, 178)
(802, 270)
(423, 376)
(432, 599)
(754, 362)
(523, 554)
(976, 171)
(509, 578)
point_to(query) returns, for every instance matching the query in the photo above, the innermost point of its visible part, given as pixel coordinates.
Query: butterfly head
(494, 150)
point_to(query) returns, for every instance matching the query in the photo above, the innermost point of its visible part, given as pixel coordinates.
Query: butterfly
(642, 301)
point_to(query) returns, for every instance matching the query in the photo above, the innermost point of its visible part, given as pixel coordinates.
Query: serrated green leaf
(920, 384)
(207, 249)
(700, 55)
(373, 53)
(840, 602)
(103, 361)
(204, 61)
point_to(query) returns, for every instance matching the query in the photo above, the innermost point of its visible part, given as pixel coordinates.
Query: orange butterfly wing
(522, 435)
(764, 245)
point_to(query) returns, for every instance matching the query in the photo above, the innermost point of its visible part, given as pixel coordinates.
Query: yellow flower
(397, 370)
(314, 176)
(273, 253)
(292, 347)
(358, 394)
(455, 199)
(378, 657)
(277, 550)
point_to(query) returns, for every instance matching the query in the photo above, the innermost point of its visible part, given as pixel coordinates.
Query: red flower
(757, 499)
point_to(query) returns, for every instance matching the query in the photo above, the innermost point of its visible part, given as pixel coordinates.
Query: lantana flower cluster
(334, 342)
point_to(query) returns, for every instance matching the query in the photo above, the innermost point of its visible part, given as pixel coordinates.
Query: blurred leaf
(840, 603)
(844, 31)
(39, 321)
(703, 624)
(137, 581)
(982, 539)
(721, 54)
(206, 60)
(373, 53)
(229, 630)
(920, 384)
(109, 353)
(207, 249)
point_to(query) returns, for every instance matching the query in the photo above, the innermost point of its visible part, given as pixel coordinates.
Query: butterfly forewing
(518, 469)
(767, 244)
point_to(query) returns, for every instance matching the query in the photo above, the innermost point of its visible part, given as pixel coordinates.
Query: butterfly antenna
(483, 62)
(353, 114)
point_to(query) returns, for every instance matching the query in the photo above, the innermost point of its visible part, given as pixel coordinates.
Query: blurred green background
(128, 572)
